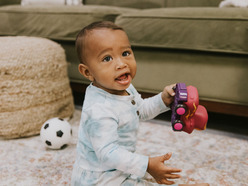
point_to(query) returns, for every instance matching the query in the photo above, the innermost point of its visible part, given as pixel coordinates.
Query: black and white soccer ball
(56, 133)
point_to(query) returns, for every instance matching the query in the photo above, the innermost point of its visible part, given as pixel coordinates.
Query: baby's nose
(120, 64)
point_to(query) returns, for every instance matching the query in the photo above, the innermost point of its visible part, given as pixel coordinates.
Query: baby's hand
(160, 172)
(168, 94)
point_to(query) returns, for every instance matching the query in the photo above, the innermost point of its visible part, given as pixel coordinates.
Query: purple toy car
(178, 108)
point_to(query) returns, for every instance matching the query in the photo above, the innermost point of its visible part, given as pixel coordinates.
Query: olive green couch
(191, 41)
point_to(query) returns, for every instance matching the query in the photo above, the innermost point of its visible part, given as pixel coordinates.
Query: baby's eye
(107, 58)
(126, 53)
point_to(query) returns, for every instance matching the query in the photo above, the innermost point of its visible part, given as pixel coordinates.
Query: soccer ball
(56, 133)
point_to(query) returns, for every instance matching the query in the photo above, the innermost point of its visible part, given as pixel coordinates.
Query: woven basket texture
(34, 85)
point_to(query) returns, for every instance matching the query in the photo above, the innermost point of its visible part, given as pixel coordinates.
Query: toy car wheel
(177, 125)
(180, 109)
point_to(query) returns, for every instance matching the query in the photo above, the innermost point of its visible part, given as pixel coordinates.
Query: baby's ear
(84, 70)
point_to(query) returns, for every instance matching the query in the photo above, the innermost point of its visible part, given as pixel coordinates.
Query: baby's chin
(120, 90)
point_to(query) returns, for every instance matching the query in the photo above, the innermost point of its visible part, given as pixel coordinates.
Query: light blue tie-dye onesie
(107, 138)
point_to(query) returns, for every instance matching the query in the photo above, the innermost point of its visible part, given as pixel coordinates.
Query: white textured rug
(218, 158)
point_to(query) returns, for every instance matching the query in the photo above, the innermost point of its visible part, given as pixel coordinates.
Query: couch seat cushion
(192, 3)
(53, 22)
(204, 29)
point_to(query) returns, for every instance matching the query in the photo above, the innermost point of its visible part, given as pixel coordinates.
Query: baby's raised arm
(152, 106)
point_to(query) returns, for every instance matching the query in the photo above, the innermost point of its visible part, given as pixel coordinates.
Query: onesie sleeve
(151, 107)
(102, 131)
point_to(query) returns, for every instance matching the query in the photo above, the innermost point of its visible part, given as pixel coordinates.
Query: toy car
(187, 114)
(178, 108)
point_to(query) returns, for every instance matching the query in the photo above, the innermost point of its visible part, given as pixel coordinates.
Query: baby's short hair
(80, 39)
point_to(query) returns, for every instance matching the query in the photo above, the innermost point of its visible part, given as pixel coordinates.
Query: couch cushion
(192, 3)
(141, 4)
(204, 29)
(9, 2)
(54, 22)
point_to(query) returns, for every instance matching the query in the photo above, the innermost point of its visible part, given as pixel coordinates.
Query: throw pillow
(234, 3)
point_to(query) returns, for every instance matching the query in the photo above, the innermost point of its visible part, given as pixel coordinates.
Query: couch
(191, 41)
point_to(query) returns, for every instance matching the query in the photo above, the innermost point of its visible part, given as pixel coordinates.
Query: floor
(210, 156)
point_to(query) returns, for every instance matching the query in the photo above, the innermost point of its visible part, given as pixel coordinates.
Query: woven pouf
(34, 85)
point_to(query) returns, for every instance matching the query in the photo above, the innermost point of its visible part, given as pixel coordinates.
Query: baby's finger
(166, 156)
(172, 176)
(173, 85)
(170, 90)
(167, 182)
(173, 170)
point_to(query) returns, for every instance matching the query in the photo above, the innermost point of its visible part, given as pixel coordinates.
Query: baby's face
(110, 60)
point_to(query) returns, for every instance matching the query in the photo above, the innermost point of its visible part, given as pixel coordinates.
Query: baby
(111, 113)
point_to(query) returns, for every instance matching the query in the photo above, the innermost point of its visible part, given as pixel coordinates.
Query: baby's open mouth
(123, 77)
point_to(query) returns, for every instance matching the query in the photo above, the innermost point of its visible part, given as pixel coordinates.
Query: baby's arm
(160, 172)
(151, 107)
